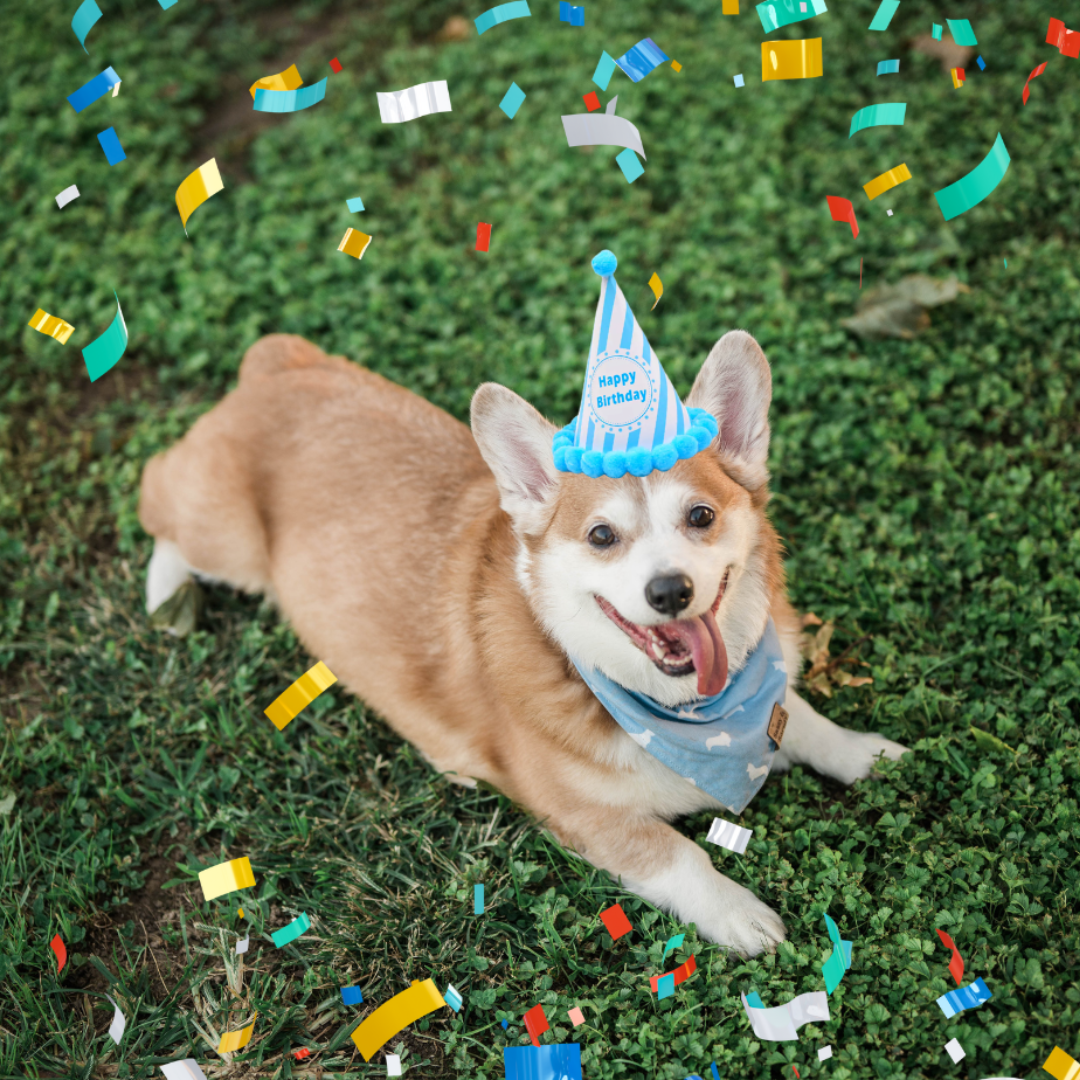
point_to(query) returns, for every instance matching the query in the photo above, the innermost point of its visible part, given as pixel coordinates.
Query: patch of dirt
(948, 52)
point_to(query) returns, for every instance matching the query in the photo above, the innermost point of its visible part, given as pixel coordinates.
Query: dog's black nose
(670, 594)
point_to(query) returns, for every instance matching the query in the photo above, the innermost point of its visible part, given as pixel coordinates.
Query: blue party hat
(631, 419)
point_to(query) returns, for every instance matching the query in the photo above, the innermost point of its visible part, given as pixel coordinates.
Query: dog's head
(662, 582)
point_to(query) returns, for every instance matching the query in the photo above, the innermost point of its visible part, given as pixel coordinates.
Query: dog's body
(446, 579)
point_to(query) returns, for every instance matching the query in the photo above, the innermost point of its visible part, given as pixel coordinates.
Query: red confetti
(483, 236)
(335, 65)
(956, 964)
(1067, 41)
(592, 102)
(1034, 75)
(842, 210)
(536, 1023)
(796, 1072)
(302, 1053)
(616, 922)
(60, 949)
(681, 973)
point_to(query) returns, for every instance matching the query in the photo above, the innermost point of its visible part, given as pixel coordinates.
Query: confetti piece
(889, 212)
(679, 975)
(842, 210)
(555, 1061)
(51, 326)
(716, 1075)
(576, 1016)
(657, 287)
(289, 704)
(1027, 89)
(188, 1069)
(84, 20)
(512, 100)
(355, 205)
(642, 58)
(791, 59)
(478, 890)
(954, 200)
(739, 81)
(729, 7)
(838, 961)
(780, 1024)
(891, 113)
(67, 195)
(981, 62)
(956, 964)
(616, 922)
(1066, 41)
(665, 986)
(236, 1040)
(888, 67)
(96, 88)
(302, 1053)
(240, 913)
(673, 942)
(352, 995)
(197, 188)
(401, 106)
(452, 998)
(226, 877)
(1061, 1066)
(885, 12)
(935, 31)
(57, 945)
(727, 834)
(165, 5)
(393, 1065)
(583, 129)
(631, 167)
(289, 79)
(519, 9)
(505, 1024)
(568, 13)
(962, 32)
(773, 15)
(110, 143)
(292, 931)
(103, 353)
(483, 242)
(955, 1050)
(392, 1016)
(536, 1023)
(335, 65)
(592, 102)
(243, 945)
(824, 1053)
(967, 997)
(288, 101)
(118, 1025)
(604, 70)
(957, 77)
(676, 66)
(887, 181)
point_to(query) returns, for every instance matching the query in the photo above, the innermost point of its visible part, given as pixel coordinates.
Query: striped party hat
(631, 420)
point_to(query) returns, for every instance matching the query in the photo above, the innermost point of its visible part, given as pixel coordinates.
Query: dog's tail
(284, 352)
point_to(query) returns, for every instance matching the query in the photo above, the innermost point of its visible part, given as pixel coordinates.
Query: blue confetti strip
(287, 101)
(97, 87)
(644, 57)
(110, 143)
(352, 995)
(568, 13)
(967, 997)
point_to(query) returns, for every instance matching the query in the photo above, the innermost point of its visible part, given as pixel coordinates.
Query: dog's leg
(168, 570)
(676, 874)
(811, 739)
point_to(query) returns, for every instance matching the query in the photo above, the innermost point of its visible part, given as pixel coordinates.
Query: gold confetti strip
(729, 7)
(791, 59)
(52, 326)
(226, 877)
(197, 188)
(657, 287)
(285, 708)
(236, 1040)
(887, 181)
(354, 243)
(289, 79)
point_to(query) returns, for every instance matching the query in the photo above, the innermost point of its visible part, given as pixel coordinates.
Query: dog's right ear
(515, 441)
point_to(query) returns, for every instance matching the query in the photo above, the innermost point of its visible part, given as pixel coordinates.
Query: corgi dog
(457, 582)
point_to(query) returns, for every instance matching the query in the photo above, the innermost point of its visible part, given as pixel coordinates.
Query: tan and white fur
(445, 576)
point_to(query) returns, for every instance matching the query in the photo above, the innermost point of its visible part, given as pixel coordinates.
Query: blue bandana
(720, 744)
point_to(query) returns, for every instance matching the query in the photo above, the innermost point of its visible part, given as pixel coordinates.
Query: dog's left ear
(735, 385)
(515, 441)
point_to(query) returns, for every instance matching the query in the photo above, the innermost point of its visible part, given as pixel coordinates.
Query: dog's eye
(700, 517)
(601, 536)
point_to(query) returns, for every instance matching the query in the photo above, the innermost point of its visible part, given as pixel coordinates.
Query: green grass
(927, 492)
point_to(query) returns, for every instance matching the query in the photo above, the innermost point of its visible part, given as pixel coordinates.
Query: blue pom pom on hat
(631, 419)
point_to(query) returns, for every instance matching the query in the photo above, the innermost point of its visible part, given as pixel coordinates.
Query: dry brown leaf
(824, 673)
(454, 29)
(810, 619)
(948, 52)
(899, 310)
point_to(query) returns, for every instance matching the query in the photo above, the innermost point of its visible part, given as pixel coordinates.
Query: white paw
(741, 921)
(855, 760)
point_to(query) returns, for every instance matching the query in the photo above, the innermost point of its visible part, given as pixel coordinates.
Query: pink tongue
(702, 636)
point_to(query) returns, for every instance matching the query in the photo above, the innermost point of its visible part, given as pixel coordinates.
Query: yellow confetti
(395, 1015)
(957, 80)
(289, 79)
(236, 1040)
(54, 327)
(240, 913)
(226, 877)
(287, 706)
(657, 287)
(676, 65)
(197, 188)
(1061, 1065)
(887, 181)
(791, 59)
(729, 7)
(354, 243)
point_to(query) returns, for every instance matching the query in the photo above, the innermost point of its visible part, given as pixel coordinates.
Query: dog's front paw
(859, 755)
(742, 922)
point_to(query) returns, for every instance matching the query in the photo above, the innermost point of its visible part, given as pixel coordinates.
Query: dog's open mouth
(682, 645)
